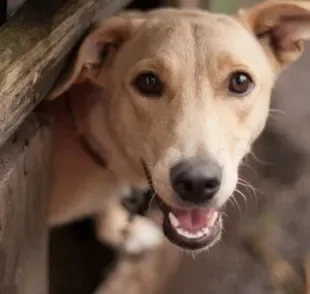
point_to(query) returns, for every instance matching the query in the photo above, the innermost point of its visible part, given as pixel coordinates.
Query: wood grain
(33, 50)
(24, 189)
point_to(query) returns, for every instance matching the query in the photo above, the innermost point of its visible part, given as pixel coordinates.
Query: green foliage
(223, 6)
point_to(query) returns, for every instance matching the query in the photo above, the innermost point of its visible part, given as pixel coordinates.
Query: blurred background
(266, 244)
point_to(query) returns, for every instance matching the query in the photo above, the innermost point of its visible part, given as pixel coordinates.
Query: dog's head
(187, 93)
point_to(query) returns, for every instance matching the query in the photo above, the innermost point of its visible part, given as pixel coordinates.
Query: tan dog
(183, 93)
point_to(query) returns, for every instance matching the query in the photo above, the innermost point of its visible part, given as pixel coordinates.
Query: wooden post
(24, 189)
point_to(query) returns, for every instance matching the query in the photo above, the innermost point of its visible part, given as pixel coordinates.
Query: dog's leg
(139, 235)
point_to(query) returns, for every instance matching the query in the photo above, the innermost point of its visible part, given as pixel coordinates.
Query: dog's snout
(196, 180)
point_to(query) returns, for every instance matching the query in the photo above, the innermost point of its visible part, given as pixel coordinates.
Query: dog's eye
(149, 84)
(240, 83)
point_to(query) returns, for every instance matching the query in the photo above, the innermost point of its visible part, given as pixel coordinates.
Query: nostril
(211, 184)
(185, 186)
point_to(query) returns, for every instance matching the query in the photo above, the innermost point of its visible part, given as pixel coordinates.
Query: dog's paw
(143, 235)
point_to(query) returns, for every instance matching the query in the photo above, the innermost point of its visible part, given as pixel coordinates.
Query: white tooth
(199, 234)
(184, 233)
(181, 232)
(191, 235)
(187, 234)
(173, 220)
(206, 231)
(213, 219)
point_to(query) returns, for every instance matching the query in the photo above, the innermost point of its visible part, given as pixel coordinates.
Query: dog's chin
(191, 228)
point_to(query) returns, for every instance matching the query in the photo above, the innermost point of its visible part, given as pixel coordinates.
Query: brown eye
(149, 84)
(240, 83)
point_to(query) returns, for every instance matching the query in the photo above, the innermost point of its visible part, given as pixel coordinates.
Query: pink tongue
(193, 219)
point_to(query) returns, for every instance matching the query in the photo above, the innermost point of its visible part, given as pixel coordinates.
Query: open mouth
(191, 228)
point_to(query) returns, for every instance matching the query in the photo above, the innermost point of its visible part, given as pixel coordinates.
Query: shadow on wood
(24, 187)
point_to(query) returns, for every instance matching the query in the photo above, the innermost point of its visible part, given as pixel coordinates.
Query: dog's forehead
(207, 37)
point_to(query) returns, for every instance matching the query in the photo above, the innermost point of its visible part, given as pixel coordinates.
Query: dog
(170, 100)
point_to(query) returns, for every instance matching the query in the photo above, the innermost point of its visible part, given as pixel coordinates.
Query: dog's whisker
(258, 160)
(242, 195)
(249, 188)
(237, 204)
(244, 181)
(275, 111)
(232, 203)
(254, 190)
(193, 255)
(150, 203)
(250, 167)
(251, 191)
(246, 184)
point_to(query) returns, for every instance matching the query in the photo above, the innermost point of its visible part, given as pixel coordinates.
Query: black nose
(196, 180)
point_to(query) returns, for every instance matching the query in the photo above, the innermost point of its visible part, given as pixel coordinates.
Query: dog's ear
(96, 53)
(281, 27)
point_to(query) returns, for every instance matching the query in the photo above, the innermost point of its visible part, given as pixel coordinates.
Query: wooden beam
(33, 48)
(24, 189)
(183, 3)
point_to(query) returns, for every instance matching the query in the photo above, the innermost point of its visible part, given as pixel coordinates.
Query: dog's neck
(98, 140)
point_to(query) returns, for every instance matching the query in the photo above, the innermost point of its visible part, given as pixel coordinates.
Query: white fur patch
(144, 236)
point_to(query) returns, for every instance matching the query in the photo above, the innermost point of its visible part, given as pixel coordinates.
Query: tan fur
(193, 52)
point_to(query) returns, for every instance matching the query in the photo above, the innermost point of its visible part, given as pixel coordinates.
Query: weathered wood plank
(24, 189)
(33, 48)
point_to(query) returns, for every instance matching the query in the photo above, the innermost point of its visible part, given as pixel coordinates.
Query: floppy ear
(96, 53)
(281, 27)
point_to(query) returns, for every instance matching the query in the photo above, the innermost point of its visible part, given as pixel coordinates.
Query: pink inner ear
(290, 30)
